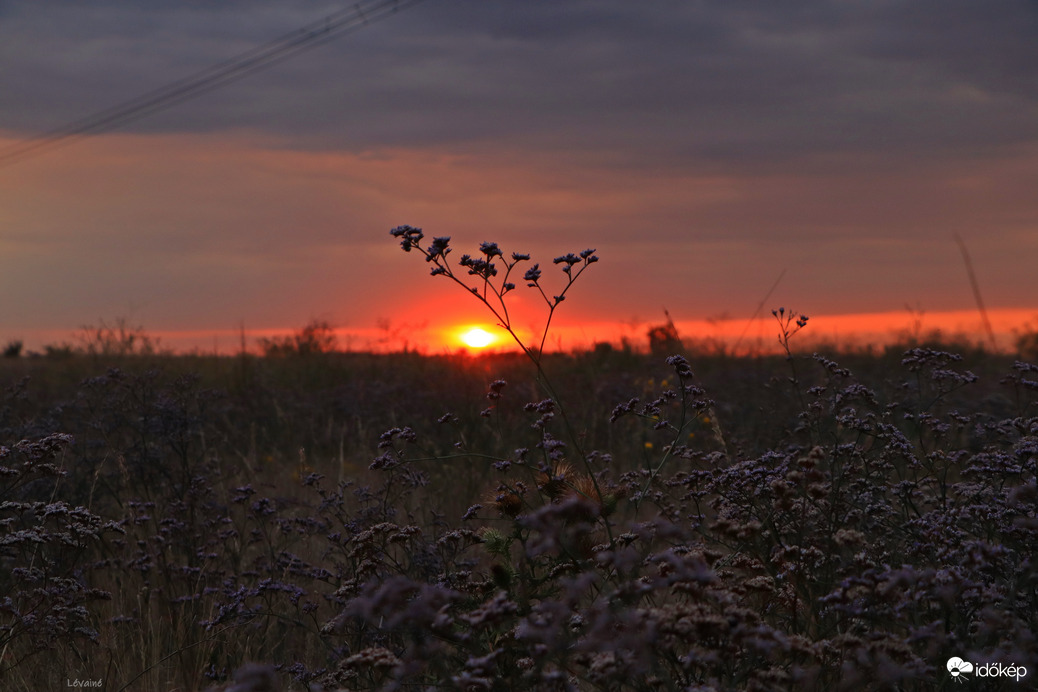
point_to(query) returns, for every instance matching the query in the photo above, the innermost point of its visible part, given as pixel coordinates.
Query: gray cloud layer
(727, 82)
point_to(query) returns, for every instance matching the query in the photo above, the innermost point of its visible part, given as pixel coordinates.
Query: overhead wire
(253, 60)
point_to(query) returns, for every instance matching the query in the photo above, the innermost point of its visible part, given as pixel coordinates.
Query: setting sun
(477, 338)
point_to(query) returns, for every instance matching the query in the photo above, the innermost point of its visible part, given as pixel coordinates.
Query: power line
(259, 58)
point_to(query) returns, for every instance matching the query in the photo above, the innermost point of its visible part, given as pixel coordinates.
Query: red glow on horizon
(844, 332)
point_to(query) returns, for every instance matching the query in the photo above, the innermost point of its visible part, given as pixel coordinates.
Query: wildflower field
(602, 520)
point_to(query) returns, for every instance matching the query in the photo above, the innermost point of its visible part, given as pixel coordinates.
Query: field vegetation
(600, 520)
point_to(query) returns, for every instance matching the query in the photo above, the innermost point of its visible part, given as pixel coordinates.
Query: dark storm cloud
(652, 84)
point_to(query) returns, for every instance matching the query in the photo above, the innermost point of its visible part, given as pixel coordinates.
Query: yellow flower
(648, 445)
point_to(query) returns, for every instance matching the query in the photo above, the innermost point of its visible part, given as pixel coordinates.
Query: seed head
(491, 250)
(438, 248)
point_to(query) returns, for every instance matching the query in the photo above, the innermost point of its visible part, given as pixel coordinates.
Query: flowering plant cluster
(322, 523)
(491, 291)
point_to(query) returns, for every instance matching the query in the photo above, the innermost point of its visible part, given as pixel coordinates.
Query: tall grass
(591, 521)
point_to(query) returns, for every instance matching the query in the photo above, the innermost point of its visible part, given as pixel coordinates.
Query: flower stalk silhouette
(490, 287)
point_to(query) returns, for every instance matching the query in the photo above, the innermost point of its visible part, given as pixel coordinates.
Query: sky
(723, 158)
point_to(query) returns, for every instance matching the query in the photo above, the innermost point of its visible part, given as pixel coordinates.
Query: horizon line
(846, 332)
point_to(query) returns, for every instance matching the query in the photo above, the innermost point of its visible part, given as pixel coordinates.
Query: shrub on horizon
(316, 338)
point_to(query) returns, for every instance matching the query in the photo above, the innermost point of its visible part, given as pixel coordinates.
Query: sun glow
(477, 337)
